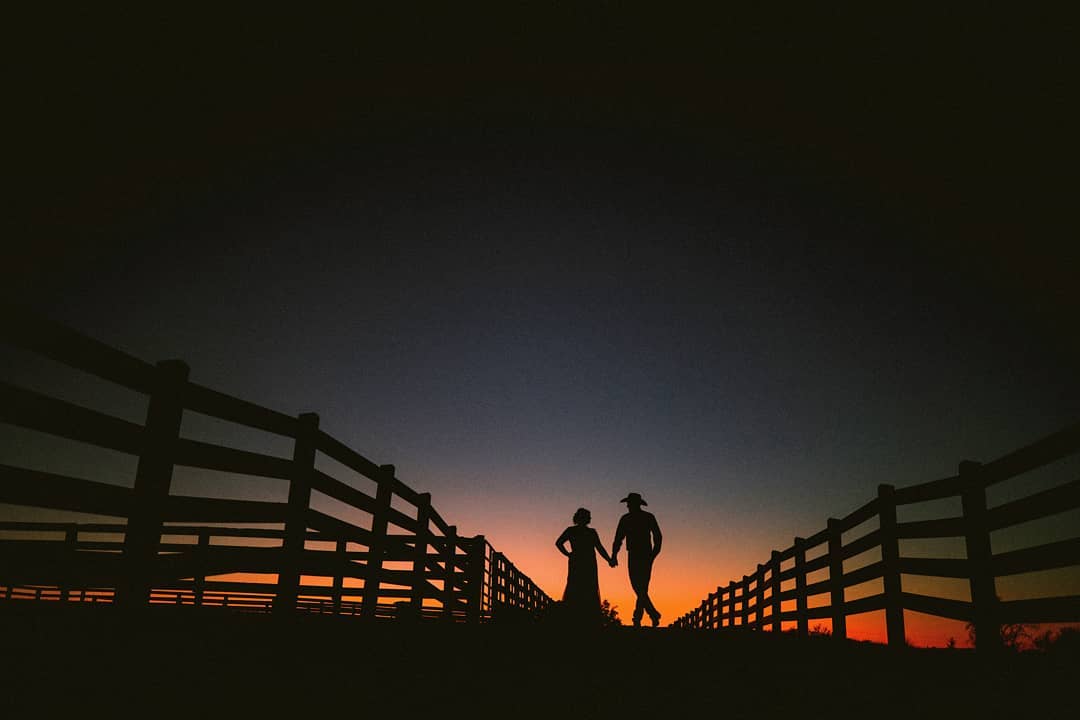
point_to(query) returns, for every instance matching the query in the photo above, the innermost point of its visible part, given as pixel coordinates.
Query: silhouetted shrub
(1065, 641)
(610, 614)
(1013, 635)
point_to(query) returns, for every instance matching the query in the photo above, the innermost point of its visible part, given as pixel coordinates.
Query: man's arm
(658, 539)
(620, 534)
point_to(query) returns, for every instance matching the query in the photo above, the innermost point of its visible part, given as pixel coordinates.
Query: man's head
(634, 501)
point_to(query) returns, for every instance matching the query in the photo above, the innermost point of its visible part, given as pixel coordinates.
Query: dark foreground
(100, 664)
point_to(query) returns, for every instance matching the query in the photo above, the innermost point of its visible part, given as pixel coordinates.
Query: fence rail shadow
(756, 601)
(199, 551)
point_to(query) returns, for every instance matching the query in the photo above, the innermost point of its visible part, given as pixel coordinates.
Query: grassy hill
(98, 663)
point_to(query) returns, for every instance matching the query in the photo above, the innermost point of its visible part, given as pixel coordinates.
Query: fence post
(450, 557)
(731, 604)
(70, 563)
(890, 561)
(774, 581)
(984, 602)
(836, 581)
(152, 479)
(339, 579)
(419, 566)
(802, 616)
(477, 557)
(377, 545)
(292, 547)
(759, 599)
(202, 552)
(490, 579)
(745, 609)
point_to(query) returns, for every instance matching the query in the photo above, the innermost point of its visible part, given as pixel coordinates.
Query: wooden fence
(181, 550)
(755, 601)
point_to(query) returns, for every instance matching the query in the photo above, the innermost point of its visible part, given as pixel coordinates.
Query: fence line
(980, 568)
(164, 551)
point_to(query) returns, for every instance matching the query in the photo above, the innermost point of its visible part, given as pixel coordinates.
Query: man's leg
(640, 574)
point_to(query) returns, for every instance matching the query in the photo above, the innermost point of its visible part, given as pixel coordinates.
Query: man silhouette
(643, 539)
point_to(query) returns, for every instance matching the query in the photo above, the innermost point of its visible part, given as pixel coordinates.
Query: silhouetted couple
(642, 535)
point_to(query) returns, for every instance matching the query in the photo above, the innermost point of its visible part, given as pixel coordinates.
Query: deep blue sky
(749, 296)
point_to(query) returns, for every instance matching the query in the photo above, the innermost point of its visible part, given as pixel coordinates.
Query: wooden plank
(788, 574)
(924, 492)
(183, 508)
(345, 455)
(338, 490)
(218, 531)
(1042, 452)
(103, 527)
(935, 567)
(35, 411)
(336, 528)
(819, 587)
(20, 526)
(1065, 609)
(818, 538)
(215, 560)
(203, 400)
(1034, 507)
(401, 520)
(866, 604)
(819, 563)
(51, 563)
(111, 546)
(19, 486)
(868, 541)
(437, 520)
(864, 574)
(945, 527)
(24, 328)
(195, 453)
(1064, 553)
(858, 516)
(942, 607)
(406, 493)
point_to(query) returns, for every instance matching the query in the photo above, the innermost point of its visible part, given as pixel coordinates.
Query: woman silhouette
(582, 595)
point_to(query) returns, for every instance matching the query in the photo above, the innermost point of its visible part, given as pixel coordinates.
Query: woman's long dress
(582, 594)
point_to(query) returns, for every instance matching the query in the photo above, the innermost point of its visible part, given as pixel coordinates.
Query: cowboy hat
(634, 498)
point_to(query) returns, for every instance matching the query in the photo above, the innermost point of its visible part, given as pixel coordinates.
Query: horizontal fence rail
(202, 551)
(756, 601)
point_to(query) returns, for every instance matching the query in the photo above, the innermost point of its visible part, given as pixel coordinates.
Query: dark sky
(748, 268)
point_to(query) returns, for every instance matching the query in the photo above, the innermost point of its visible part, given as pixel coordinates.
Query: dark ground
(101, 664)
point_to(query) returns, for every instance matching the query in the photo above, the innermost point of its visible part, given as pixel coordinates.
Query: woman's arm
(561, 542)
(600, 547)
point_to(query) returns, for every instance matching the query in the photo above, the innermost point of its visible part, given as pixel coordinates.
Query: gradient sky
(750, 289)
